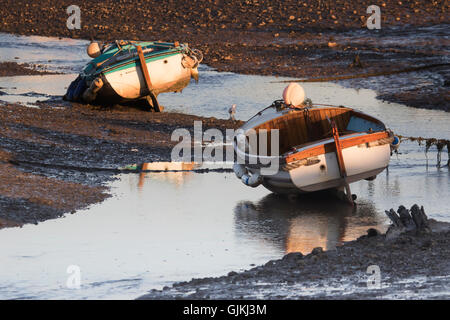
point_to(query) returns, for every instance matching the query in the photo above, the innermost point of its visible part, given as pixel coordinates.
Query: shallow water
(162, 227)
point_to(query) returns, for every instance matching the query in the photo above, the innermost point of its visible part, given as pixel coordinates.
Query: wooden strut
(153, 101)
(340, 160)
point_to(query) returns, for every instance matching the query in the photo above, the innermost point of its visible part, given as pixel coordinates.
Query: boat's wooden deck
(299, 128)
(305, 127)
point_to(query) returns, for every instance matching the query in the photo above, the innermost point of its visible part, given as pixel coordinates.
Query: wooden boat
(320, 147)
(127, 71)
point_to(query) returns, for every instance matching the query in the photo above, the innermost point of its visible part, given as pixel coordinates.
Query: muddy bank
(306, 39)
(57, 158)
(24, 69)
(411, 265)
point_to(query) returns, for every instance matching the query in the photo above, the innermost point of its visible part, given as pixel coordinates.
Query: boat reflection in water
(174, 172)
(301, 223)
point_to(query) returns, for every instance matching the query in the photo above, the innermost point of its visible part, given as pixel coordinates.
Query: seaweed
(429, 142)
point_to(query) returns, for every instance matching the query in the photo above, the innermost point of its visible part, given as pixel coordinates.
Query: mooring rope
(429, 142)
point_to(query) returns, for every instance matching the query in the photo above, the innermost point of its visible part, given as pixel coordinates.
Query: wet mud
(56, 159)
(303, 39)
(411, 265)
(23, 69)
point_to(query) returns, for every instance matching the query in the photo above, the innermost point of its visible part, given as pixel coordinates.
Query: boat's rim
(289, 156)
(280, 112)
(314, 150)
(132, 61)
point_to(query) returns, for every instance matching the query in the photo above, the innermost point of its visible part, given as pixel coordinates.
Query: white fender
(253, 180)
(239, 170)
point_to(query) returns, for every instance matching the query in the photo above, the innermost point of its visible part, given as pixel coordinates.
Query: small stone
(372, 232)
(317, 250)
(427, 244)
(232, 273)
(372, 256)
(293, 256)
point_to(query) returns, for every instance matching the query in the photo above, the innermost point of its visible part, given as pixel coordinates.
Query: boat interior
(302, 127)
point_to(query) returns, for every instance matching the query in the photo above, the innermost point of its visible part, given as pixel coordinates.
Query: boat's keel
(344, 194)
(153, 103)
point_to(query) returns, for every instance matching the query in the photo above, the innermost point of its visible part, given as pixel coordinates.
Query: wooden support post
(340, 160)
(148, 82)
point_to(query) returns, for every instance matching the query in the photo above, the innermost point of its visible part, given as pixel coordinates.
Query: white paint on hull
(165, 75)
(360, 163)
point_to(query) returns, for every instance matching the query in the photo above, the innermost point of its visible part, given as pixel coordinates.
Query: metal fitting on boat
(189, 61)
(194, 74)
(91, 93)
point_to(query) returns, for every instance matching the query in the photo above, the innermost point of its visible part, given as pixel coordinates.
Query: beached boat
(127, 71)
(320, 147)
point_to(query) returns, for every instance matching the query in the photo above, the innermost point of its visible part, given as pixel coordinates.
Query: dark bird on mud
(356, 62)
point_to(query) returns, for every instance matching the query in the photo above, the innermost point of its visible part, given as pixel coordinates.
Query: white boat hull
(361, 162)
(313, 165)
(166, 75)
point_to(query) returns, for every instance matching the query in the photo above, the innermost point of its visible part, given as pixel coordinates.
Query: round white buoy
(294, 94)
(93, 50)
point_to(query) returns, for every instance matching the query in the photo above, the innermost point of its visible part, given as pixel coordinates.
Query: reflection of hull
(301, 223)
(174, 172)
(308, 158)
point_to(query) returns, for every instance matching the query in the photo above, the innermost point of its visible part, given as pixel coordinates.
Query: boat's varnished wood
(300, 127)
(329, 147)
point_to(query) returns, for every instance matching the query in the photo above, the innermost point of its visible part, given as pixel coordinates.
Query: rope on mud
(429, 142)
(365, 75)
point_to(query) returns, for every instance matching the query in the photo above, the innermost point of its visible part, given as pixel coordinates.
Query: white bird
(232, 112)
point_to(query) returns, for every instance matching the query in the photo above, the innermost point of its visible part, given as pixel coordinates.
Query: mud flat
(56, 158)
(411, 266)
(302, 39)
(16, 69)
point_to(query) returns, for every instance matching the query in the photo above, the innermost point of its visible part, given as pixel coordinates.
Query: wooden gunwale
(330, 146)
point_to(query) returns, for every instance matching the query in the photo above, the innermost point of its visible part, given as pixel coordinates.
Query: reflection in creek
(301, 223)
(174, 172)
